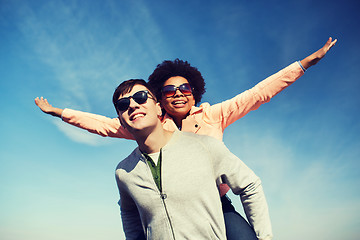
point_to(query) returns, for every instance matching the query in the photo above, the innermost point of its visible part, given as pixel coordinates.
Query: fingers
(41, 101)
(37, 101)
(330, 43)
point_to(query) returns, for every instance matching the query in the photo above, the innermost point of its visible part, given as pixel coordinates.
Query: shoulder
(130, 161)
(201, 147)
(196, 110)
(205, 140)
(204, 105)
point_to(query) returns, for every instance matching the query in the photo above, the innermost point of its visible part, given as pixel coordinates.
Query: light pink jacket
(205, 119)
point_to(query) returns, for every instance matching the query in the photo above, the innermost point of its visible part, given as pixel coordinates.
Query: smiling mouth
(136, 116)
(178, 103)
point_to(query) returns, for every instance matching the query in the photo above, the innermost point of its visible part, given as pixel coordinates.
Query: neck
(178, 119)
(153, 141)
(178, 122)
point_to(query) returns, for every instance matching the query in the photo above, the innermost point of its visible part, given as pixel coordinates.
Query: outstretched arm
(237, 107)
(101, 125)
(318, 55)
(47, 108)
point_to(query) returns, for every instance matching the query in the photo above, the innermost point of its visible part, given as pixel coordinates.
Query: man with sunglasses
(168, 184)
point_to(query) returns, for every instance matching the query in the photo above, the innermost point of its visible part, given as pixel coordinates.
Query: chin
(180, 113)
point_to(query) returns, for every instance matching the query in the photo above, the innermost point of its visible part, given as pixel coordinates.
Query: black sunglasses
(140, 97)
(170, 90)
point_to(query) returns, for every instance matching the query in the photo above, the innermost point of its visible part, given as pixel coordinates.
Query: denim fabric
(237, 228)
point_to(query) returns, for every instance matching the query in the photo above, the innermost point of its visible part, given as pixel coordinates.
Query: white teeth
(137, 116)
(179, 102)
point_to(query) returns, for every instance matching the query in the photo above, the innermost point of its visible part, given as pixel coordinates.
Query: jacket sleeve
(233, 109)
(242, 180)
(103, 126)
(130, 216)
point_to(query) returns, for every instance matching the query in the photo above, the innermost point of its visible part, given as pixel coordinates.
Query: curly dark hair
(168, 69)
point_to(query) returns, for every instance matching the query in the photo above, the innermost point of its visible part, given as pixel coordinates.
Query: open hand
(322, 51)
(318, 55)
(44, 105)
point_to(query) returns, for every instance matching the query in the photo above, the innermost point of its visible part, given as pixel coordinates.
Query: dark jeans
(237, 228)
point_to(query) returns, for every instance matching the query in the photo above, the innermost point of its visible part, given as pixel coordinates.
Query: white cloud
(79, 135)
(88, 58)
(86, 54)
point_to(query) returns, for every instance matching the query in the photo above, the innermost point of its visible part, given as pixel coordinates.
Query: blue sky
(57, 182)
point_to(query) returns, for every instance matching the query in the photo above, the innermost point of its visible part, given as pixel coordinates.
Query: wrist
(302, 67)
(56, 112)
(309, 61)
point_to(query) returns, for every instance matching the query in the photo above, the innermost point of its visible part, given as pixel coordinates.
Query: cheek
(121, 120)
(192, 101)
(165, 103)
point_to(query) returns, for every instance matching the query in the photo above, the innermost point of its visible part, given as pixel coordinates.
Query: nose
(178, 93)
(133, 104)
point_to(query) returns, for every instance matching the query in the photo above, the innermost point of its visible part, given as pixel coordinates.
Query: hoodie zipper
(163, 196)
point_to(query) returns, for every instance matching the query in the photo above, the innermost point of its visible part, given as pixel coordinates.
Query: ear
(158, 109)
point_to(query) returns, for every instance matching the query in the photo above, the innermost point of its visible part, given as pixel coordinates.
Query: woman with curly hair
(179, 88)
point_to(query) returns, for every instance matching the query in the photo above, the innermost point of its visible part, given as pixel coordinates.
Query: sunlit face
(139, 116)
(179, 105)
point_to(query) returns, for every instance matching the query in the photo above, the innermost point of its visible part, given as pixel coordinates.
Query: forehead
(135, 89)
(177, 81)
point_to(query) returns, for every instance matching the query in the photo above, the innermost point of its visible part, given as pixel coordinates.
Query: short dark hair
(168, 69)
(127, 86)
